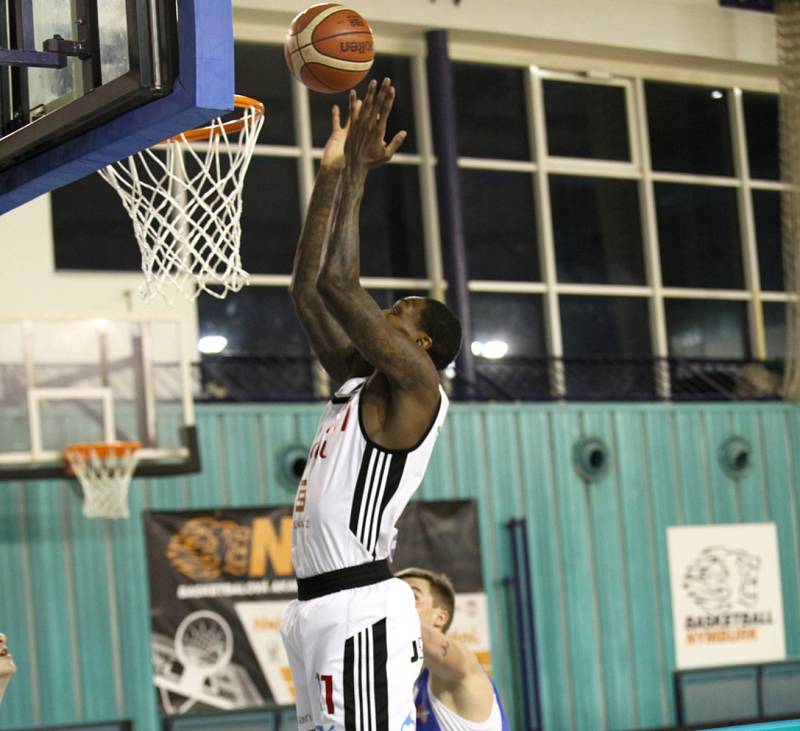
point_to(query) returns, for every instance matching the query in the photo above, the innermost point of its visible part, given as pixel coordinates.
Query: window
(597, 230)
(266, 355)
(499, 225)
(261, 73)
(689, 129)
(707, 329)
(586, 120)
(391, 224)
(490, 111)
(616, 328)
(767, 214)
(761, 123)
(775, 328)
(698, 235)
(508, 343)
(398, 69)
(102, 241)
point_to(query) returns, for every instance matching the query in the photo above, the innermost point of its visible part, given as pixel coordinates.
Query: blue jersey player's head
(434, 596)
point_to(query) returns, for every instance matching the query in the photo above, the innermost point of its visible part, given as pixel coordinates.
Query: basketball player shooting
(353, 634)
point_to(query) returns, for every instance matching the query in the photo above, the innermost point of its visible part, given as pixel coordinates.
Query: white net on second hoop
(184, 198)
(105, 473)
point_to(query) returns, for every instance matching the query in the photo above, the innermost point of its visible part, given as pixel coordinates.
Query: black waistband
(350, 578)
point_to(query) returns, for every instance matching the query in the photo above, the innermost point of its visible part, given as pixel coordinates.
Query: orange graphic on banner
(268, 546)
(718, 636)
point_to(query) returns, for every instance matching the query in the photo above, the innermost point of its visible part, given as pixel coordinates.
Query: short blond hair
(444, 595)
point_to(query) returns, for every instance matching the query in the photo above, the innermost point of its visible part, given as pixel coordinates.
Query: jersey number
(326, 688)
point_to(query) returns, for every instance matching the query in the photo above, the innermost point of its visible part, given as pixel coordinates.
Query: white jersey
(353, 491)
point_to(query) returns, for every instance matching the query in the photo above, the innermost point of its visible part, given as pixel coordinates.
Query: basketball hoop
(104, 470)
(185, 200)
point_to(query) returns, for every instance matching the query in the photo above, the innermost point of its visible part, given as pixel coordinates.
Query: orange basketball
(329, 48)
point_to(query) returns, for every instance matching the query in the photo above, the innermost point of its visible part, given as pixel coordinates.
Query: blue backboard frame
(203, 89)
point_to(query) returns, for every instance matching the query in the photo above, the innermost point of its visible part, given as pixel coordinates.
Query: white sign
(727, 605)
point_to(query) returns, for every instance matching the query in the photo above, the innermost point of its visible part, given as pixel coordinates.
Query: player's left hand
(365, 147)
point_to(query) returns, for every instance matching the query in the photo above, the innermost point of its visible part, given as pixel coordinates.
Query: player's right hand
(333, 154)
(7, 666)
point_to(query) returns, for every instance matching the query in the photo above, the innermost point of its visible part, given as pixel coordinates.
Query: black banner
(220, 581)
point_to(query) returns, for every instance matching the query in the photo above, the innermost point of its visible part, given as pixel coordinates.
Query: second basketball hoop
(185, 200)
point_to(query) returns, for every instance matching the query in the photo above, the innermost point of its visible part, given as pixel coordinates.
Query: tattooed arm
(404, 363)
(329, 342)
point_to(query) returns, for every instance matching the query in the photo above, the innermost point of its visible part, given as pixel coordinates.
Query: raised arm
(398, 357)
(457, 677)
(328, 341)
(7, 667)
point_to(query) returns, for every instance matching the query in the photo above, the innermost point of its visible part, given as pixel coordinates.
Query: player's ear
(423, 340)
(441, 618)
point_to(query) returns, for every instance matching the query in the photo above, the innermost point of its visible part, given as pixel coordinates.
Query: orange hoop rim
(101, 449)
(235, 125)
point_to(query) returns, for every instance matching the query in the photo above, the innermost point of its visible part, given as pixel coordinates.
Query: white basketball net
(104, 478)
(185, 200)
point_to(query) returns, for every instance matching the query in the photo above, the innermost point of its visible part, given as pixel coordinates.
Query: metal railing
(263, 378)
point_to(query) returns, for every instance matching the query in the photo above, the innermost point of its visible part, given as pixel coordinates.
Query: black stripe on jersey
(344, 398)
(380, 681)
(396, 469)
(349, 690)
(368, 685)
(358, 495)
(383, 461)
(373, 684)
(361, 690)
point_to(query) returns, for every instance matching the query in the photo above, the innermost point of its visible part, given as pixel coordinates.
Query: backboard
(84, 83)
(97, 380)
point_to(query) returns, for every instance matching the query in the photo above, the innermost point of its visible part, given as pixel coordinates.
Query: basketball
(329, 48)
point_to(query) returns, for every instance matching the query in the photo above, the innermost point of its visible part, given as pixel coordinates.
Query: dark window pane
(499, 225)
(698, 231)
(586, 120)
(270, 216)
(267, 356)
(261, 73)
(775, 329)
(508, 342)
(689, 129)
(91, 229)
(254, 320)
(767, 214)
(490, 111)
(513, 319)
(398, 69)
(761, 122)
(391, 224)
(597, 230)
(605, 326)
(607, 347)
(707, 329)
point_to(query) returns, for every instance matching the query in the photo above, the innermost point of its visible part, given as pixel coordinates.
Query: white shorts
(355, 656)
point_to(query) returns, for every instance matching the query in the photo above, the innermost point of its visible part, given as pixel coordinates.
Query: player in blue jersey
(453, 691)
(7, 667)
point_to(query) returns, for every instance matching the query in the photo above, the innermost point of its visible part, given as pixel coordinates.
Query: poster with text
(220, 581)
(727, 605)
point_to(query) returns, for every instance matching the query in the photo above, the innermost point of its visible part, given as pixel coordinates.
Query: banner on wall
(727, 604)
(220, 581)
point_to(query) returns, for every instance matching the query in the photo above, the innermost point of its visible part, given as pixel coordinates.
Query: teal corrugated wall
(73, 592)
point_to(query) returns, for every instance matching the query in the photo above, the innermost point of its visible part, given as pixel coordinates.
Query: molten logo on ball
(329, 48)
